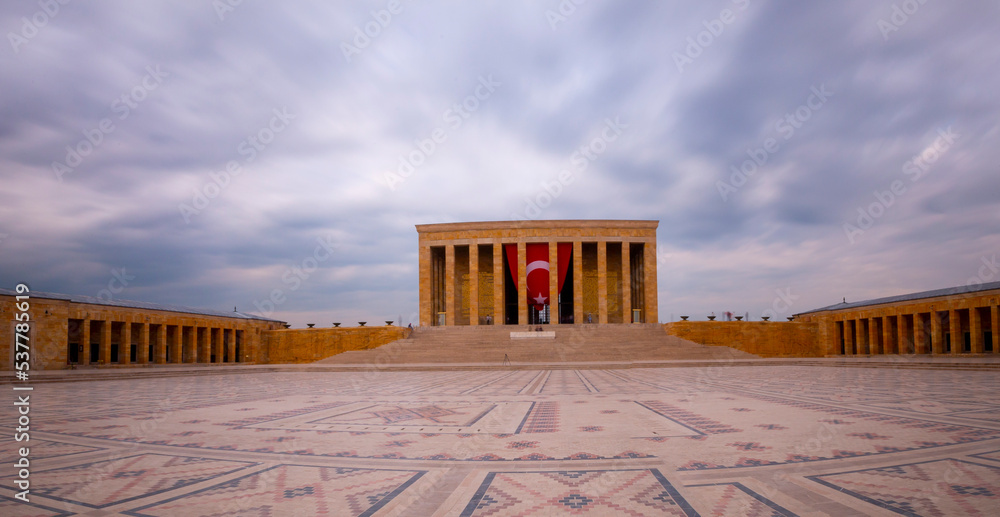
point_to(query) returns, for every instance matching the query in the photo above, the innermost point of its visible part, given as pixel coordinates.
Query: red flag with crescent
(538, 269)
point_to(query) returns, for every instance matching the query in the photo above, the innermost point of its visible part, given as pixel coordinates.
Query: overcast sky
(211, 155)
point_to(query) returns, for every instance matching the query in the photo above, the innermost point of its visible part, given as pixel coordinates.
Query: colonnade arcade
(942, 328)
(105, 340)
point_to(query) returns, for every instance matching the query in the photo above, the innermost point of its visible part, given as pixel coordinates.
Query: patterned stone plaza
(757, 440)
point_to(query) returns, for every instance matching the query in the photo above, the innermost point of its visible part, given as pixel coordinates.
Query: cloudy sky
(210, 153)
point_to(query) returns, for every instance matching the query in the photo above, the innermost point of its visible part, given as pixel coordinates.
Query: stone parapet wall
(762, 338)
(308, 345)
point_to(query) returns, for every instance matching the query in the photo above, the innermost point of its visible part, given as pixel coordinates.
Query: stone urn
(388, 323)
(685, 318)
(765, 318)
(362, 323)
(790, 318)
(711, 318)
(336, 324)
(739, 318)
(287, 326)
(310, 325)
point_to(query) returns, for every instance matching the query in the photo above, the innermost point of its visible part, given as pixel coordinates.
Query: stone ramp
(570, 344)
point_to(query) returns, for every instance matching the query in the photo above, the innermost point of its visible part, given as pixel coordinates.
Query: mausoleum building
(537, 272)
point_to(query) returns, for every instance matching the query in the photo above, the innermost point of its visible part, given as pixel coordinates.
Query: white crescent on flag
(538, 264)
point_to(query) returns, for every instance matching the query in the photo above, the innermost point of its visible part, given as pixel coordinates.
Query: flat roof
(540, 223)
(132, 304)
(950, 291)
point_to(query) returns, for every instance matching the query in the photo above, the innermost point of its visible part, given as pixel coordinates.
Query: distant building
(958, 320)
(537, 272)
(70, 330)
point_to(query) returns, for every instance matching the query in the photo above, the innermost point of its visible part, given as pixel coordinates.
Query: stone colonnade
(122, 337)
(465, 280)
(965, 324)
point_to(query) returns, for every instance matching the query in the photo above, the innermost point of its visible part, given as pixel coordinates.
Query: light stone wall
(763, 338)
(309, 345)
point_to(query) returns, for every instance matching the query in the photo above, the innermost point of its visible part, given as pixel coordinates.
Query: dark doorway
(510, 294)
(565, 298)
(74, 353)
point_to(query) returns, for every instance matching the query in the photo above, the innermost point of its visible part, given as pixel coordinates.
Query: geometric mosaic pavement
(758, 440)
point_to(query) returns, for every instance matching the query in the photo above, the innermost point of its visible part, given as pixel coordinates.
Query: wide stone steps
(571, 343)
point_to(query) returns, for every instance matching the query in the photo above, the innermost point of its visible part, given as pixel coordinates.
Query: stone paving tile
(755, 440)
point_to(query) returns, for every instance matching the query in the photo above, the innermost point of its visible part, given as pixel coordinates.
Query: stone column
(994, 328)
(873, 335)
(554, 283)
(85, 340)
(449, 284)
(143, 355)
(626, 283)
(232, 346)
(888, 335)
(474, 284)
(215, 343)
(105, 340)
(498, 284)
(522, 284)
(863, 340)
(204, 354)
(426, 308)
(919, 331)
(955, 329)
(649, 271)
(902, 346)
(976, 330)
(190, 339)
(850, 327)
(937, 333)
(160, 348)
(125, 344)
(602, 282)
(577, 282)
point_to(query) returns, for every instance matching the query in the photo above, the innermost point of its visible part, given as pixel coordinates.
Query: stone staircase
(571, 344)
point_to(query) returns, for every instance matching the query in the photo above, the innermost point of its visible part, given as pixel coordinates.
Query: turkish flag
(538, 267)
(537, 259)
